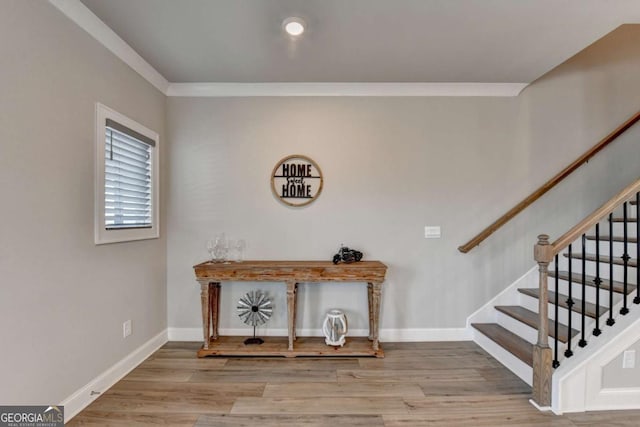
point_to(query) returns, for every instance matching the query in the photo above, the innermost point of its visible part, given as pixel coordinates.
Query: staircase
(587, 281)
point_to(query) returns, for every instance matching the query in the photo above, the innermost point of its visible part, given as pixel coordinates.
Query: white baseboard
(388, 335)
(425, 334)
(538, 407)
(83, 397)
(609, 399)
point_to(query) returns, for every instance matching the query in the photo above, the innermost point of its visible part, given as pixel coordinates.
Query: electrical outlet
(126, 329)
(629, 359)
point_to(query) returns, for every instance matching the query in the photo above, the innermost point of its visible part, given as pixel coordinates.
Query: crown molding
(88, 21)
(344, 89)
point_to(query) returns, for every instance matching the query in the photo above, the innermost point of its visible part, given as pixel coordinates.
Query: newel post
(542, 355)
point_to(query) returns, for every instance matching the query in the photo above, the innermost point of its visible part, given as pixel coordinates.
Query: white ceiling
(492, 41)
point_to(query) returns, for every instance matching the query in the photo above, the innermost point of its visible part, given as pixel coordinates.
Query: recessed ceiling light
(293, 26)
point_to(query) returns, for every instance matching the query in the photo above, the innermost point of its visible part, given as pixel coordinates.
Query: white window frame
(103, 235)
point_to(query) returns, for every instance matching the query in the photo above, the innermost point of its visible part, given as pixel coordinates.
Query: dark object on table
(347, 255)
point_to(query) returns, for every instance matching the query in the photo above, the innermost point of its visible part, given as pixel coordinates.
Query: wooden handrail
(549, 185)
(598, 215)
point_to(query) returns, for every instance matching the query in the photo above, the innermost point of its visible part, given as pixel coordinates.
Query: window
(126, 179)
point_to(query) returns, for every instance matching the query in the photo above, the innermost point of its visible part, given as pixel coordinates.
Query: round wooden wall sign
(296, 180)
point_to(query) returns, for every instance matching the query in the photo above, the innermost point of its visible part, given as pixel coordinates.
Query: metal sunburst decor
(254, 309)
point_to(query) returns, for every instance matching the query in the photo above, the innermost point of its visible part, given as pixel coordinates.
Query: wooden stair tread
(604, 285)
(633, 262)
(590, 309)
(605, 238)
(530, 318)
(621, 219)
(511, 342)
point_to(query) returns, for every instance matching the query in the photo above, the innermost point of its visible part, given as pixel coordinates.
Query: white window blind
(127, 178)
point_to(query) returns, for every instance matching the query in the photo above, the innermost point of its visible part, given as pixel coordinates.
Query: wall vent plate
(126, 329)
(432, 232)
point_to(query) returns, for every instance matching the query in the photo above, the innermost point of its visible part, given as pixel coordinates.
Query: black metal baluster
(611, 321)
(556, 363)
(568, 352)
(597, 281)
(583, 305)
(625, 257)
(636, 300)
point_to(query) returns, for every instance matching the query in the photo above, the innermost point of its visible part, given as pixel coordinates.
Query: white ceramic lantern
(335, 328)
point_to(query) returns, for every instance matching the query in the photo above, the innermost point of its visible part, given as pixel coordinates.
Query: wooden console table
(210, 275)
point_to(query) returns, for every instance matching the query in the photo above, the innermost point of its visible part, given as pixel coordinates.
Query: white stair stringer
(488, 314)
(577, 382)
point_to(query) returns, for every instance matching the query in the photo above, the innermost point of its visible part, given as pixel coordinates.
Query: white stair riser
(522, 330)
(515, 365)
(618, 248)
(576, 319)
(618, 228)
(531, 303)
(531, 334)
(631, 207)
(618, 270)
(590, 292)
(590, 267)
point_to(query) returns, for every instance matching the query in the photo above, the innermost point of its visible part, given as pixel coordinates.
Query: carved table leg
(214, 301)
(377, 288)
(206, 313)
(216, 330)
(370, 297)
(291, 309)
(295, 311)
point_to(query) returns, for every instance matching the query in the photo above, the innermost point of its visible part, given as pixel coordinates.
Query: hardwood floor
(416, 384)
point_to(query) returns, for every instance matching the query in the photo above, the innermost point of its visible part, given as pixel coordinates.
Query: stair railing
(584, 158)
(544, 358)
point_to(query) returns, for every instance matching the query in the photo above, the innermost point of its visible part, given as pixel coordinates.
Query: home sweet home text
(296, 187)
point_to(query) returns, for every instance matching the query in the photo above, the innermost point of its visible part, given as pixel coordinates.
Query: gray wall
(63, 299)
(614, 376)
(392, 166)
